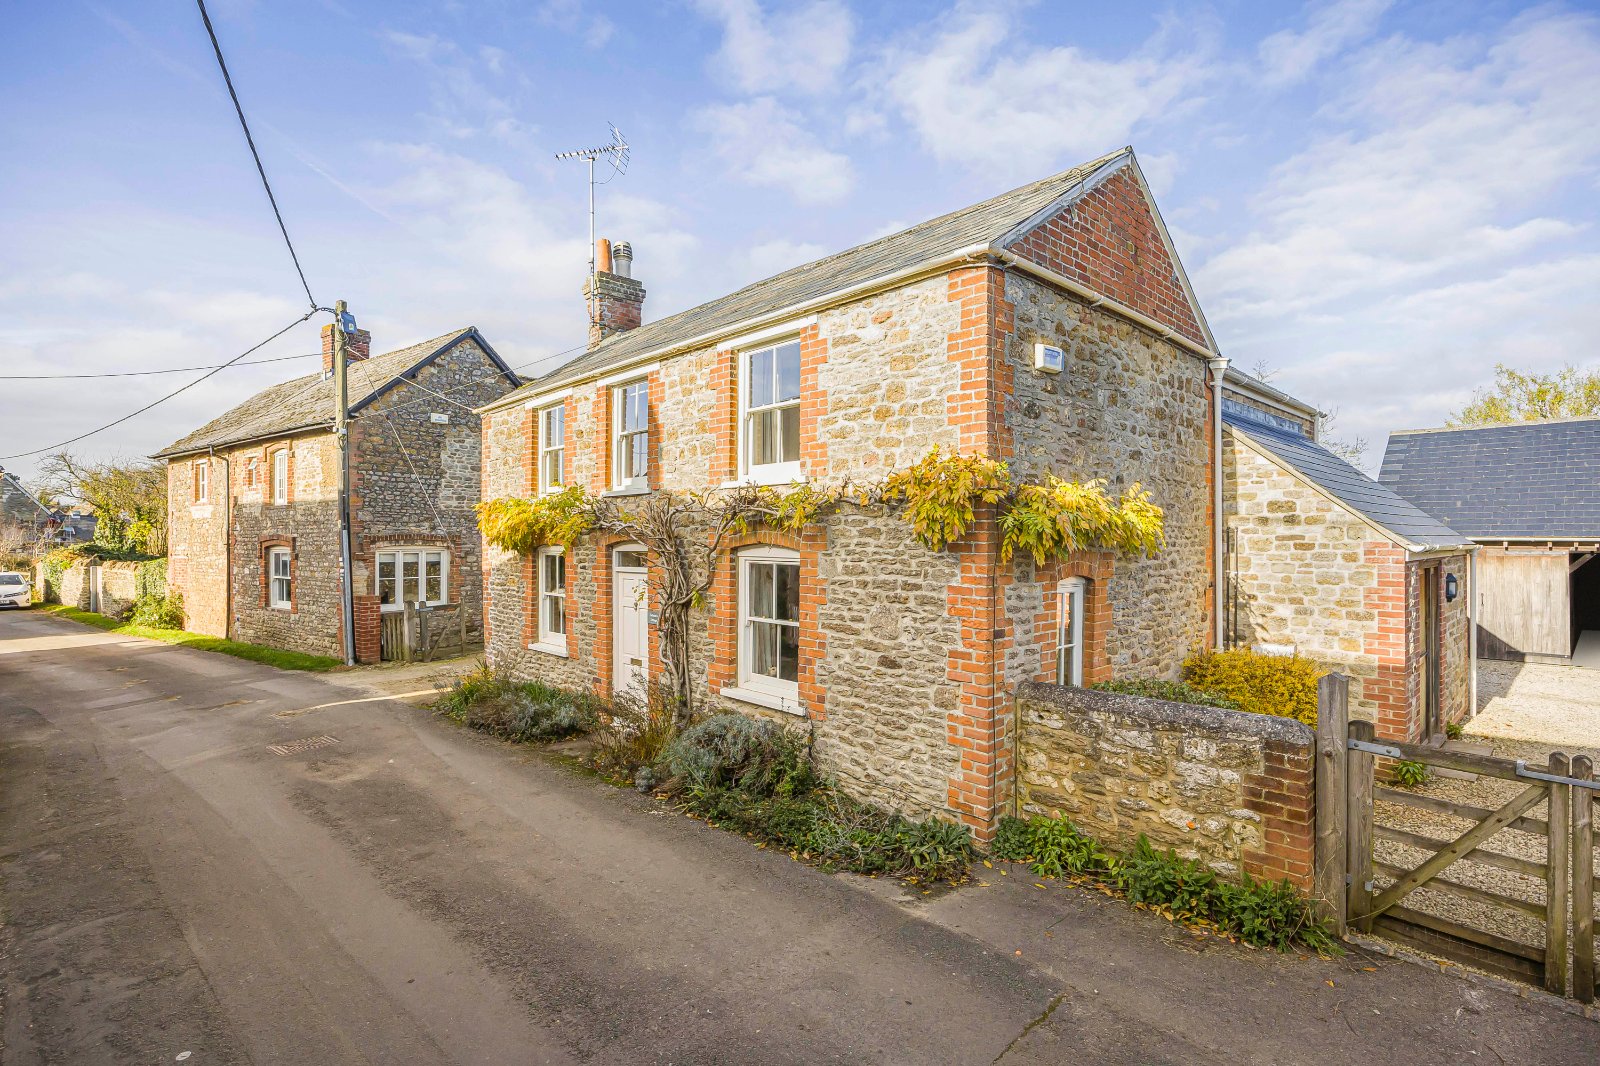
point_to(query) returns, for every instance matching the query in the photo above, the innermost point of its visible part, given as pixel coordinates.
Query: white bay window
(413, 575)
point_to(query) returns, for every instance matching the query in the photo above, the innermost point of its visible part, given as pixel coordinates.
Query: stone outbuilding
(1323, 561)
(1052, 326)
(1526, 493)
(253, 499)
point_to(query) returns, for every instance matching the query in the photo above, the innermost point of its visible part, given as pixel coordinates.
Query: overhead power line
(239, 110)
(217, 370)
(148, 373)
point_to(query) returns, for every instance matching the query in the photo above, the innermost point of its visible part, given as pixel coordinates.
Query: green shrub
(1453, 730)
(157, 612)
(1281, 685)
(835, 832)
(150, 579)
(492, 701)
(1173, 691)
(1408, 773)
(1266, 914)
(1050, 846)
(752, 755)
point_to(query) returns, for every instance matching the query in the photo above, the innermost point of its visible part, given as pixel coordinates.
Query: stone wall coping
(1191, 717)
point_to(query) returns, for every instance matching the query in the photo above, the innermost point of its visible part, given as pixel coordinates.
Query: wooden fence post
(1333, 720)
(409, 641)
(1555, 907)
(1583, 882)
(1358, 829)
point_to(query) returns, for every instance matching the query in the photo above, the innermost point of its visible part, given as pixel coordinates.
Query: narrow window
(1069, 632)
(770, 448)
(552, 598)
(202, 481)
(280, 476)
(552, 447)
(280, 593)
(769, 622)
(631, 446)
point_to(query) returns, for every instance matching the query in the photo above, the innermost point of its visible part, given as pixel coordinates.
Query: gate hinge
(1575, 782)
(1376, 749)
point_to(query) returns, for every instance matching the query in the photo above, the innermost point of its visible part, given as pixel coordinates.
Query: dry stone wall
(1233, 790)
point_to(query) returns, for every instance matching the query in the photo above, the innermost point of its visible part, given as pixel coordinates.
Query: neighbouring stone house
(19, 507)
(253, 498)
(1052, 326)
(1525, 493)
(1325, 562)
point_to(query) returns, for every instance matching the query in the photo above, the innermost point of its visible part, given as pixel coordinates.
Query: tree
(128, 497)
(1519, 397)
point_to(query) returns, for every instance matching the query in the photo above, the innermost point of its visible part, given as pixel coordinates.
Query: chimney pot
(616, 300)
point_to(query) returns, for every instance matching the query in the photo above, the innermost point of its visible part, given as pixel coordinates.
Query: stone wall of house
(1306, 574)
(1303, 575)
(308, 525)
(1233, 790)
(197, 546)
(416, 482)
(1128, 407)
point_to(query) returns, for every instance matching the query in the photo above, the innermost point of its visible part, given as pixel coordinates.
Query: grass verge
(258, 653)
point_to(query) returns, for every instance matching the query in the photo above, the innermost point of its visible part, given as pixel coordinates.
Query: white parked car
(15, 589)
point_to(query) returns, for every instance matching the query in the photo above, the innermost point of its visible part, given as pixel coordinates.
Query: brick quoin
(1283, 795)
(978, 724)
(1109, 241)
(725, 456)
(1390, 690)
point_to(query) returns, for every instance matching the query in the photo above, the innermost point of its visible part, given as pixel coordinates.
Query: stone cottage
(253, 498)
(1052, 326)
(1322, 561)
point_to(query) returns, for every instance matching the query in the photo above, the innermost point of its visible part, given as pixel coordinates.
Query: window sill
(764, 699)
(765, 479)
(547, 648)
(633, 490)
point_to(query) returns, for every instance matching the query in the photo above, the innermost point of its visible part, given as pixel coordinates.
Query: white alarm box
(1049, 358)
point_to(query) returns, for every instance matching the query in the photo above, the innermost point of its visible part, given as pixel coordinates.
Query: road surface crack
(1031, 1026)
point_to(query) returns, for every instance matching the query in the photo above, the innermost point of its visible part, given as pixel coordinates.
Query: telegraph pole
(341, 431)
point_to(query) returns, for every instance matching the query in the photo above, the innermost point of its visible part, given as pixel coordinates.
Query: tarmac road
(402, 891)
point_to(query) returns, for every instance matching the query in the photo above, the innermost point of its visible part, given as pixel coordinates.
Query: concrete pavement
(385, 887)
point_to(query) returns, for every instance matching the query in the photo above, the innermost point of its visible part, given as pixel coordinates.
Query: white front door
(630, 640)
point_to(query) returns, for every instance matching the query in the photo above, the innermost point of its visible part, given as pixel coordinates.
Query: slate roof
(17, 504)
(1527, 479)
(983, 223)
(1403, 520)
(307, 402)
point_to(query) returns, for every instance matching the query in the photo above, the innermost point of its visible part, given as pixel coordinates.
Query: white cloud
(774, 257)
(762, 143)
(465, 104)
(977, 92)
(803, 49)
(1431, 232)
(1289, 56)
(576, 17)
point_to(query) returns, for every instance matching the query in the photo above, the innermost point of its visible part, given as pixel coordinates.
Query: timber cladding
(1233, 790)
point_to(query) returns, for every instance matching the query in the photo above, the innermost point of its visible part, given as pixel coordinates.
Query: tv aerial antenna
(615, 153)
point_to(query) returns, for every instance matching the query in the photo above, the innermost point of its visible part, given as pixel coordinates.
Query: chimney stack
(615, 299)
(358, 345)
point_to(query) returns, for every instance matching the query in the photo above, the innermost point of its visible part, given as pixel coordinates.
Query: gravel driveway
(1526, 711)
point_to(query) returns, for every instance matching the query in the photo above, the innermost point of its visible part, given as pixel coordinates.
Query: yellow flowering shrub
(1280, 685)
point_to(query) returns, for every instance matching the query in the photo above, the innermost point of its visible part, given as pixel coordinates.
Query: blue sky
(1380, 200)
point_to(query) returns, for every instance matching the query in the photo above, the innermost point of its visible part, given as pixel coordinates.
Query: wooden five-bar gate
(1359, 889)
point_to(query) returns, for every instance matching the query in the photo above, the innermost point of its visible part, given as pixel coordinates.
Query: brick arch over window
(724, 666)
(1095, 568)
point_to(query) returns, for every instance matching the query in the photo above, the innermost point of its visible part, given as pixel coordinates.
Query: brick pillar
(369, 627)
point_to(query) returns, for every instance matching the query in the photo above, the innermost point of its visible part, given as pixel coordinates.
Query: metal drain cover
(303, 745)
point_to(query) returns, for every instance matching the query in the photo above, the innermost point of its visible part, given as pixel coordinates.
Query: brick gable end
(1110, 241)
